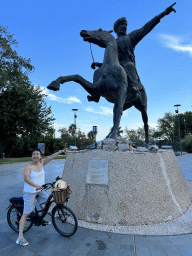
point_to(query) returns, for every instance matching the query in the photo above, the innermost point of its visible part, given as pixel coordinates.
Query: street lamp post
(95, 133)
(177, 112)
(75, 116)
(185, 127)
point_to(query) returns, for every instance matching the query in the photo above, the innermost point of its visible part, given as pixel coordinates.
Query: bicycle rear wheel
(13, 219)
(64, 220)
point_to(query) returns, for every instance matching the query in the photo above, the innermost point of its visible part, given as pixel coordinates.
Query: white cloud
(176, 43)
(53, 97)
(102, 110)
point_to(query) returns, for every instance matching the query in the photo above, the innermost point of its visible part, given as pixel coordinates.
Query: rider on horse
(126, 46)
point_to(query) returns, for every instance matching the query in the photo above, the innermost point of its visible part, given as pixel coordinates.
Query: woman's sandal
(22, 241)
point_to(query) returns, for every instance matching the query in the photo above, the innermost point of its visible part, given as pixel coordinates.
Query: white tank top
(38, 178)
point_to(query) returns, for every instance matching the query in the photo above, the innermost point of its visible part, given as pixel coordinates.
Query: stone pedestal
(142, 187)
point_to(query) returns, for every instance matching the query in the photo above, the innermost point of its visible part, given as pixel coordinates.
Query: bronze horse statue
(109, 81)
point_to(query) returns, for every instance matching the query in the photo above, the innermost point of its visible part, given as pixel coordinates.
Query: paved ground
(86, 242)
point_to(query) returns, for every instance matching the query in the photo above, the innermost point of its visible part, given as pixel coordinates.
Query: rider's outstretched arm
(138, 34)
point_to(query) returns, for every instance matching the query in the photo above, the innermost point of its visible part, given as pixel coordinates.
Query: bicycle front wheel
(64, 220)
(13, 219)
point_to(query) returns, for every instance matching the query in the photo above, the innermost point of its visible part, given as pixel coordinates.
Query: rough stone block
(143, 188)
(123, 147)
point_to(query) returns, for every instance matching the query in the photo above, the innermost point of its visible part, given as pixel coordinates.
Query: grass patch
(23, 159)
(177, 154)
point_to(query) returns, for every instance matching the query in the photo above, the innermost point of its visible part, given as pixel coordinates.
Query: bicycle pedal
(45, 223)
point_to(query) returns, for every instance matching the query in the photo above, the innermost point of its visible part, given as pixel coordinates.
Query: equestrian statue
(116, 79)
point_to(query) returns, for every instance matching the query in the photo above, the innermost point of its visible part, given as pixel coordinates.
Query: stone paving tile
(165, 240)
(129, 240)
(171, 250)
(71, 248)
(142, 247)
(142, 251)
(98, 249)
(155, 240)
(112, 249)
(185, 250)
(155, 246)
(44, 247)
(181, 239)
(157, 251)
(126, 250)
(5, 241)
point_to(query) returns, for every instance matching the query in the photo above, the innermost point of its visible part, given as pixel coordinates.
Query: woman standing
(34, 177)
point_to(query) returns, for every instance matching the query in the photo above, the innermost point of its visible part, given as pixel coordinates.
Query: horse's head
(99, 37)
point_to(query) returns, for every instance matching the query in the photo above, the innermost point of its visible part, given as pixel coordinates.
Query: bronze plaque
(97, 171)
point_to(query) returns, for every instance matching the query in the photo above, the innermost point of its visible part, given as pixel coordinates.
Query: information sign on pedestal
(97, 171)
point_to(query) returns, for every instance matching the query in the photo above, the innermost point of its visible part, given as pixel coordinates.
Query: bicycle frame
(36, 217)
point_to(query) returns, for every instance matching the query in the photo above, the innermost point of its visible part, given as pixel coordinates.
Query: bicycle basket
(18, 203)
(61, 196)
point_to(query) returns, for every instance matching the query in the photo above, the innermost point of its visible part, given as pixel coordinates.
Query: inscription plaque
(97, 171)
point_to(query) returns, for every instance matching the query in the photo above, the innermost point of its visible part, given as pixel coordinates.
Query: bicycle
(63, 219)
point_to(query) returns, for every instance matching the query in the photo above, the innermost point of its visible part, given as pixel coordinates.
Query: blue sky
(48, 34)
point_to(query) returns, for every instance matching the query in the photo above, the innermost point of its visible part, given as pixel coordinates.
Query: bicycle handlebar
(44, 186)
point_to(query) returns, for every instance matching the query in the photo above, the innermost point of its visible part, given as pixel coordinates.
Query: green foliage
(185, 126)
(82, 141)
(23, 113)
(91, 135)
(188, 141)
(165, 127)
(138, 136)
(11, 64)
(168, 126)
(24, 116)
(72, 129)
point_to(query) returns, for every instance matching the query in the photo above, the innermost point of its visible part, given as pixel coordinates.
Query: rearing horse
(109, 81)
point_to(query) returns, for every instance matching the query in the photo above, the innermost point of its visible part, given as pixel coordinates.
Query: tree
(72, 129)
(24, 116)
(132, 135)
(185, 126)
(65, 136)
(23, 112)
(82, 141)
(188, 142)
(165, 127)
(91, 135)
(11, 64)
(138, 136)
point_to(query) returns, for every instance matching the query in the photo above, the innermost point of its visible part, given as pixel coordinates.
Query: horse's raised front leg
(89, 87)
